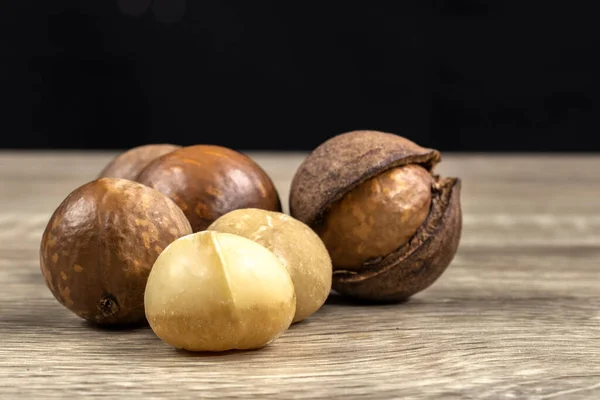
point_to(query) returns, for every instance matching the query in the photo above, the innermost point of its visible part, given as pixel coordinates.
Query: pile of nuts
(193, 240)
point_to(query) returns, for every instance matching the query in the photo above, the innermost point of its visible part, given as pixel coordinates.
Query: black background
(456, 75)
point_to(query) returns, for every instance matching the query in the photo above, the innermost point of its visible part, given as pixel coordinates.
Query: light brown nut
(297, 246)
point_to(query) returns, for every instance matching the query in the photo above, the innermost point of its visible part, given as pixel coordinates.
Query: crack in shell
(342, 163)
(416, 264)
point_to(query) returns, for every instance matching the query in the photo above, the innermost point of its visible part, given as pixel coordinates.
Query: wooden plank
(516, 315)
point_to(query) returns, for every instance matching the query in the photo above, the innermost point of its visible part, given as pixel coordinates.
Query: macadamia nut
(207, 181)
(297, 246)
(100, 244)
(130, 163)
(212, 291)
(377, 217)
(391, 224)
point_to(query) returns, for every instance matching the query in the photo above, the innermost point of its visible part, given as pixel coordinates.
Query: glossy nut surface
(214, 291)
(297, 246)
(207, 181)
(100, 244)
(381, 251)
(130, 163)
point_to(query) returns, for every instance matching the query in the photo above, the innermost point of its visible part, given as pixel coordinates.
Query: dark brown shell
(343, 162)
(207, 181)
(100, 245)
(130, 163)
(417, 264)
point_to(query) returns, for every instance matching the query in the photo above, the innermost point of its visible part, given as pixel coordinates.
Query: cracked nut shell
(207, 181)
(100, 243)
(130, 163)
(339, 171)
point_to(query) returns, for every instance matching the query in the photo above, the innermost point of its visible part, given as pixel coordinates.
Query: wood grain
(516, 315)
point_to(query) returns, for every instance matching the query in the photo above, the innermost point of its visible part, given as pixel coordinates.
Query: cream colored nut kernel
(212, 291)
(298, 247)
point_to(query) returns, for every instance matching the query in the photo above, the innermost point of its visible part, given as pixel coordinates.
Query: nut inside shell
(338, 167)
(418, 263)
(345, 161)
(377, 217)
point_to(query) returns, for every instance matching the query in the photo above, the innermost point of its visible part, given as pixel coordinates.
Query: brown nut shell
(346, 161)
(417, 264)
(100, 244)
(343, 162)
(130, 163)
(207, 181)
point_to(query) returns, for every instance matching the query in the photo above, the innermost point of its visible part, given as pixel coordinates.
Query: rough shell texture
(208, 181)
(130, 163)
(100, 244)
(341, 163)
(297, 246)
(417, 264)
(214, 291)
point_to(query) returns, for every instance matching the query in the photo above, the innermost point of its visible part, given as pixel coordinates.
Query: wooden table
(516, 315)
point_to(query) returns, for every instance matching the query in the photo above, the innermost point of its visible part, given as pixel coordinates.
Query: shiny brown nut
(207, 181)
(100, 244)
(130, 163)
(297, 246)
(391, 225)
(215, 291)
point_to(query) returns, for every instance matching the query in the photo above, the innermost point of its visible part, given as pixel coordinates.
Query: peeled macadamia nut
(130, 163)
(213, 291)
(296, 245)
(207, 181)
(100, 244)
(377, 217)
